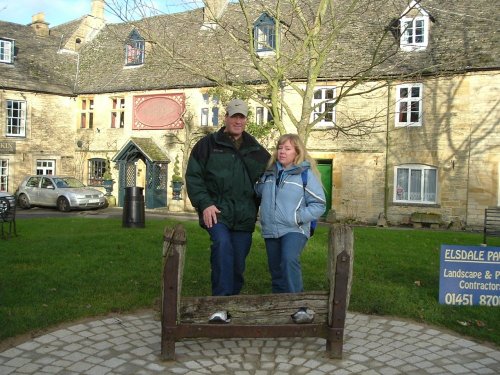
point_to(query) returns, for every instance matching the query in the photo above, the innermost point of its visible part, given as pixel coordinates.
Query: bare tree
(346, 43)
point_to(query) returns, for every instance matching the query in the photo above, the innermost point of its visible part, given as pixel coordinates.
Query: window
(324, 105)
(415, 184)
(97, 167)
(87, 114)
(6, 51)
(262, 115)
(414, 28)
(413, 33)
(134, 49)
(16, 118)
(47, 183)
(45, 167)
(209, 115)
(265, 34)
(409, 105)
(118, 113)
(33, 182)
(4, 175)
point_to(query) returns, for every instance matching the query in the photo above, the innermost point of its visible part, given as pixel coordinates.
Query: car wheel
(63, 204)
(24, 202)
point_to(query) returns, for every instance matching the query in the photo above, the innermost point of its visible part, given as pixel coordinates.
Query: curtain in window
(430, 184)
(416, 185)
(402, 184)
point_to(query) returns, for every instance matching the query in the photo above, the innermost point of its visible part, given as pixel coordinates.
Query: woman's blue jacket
(285, 205)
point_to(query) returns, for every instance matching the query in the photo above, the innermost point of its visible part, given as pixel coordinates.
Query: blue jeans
(229, 252)
(283, 259)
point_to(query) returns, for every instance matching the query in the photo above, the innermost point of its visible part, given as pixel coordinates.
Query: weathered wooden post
(174, 248)
(340, 260)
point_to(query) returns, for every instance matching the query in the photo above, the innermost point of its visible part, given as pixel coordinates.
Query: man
(220, 177)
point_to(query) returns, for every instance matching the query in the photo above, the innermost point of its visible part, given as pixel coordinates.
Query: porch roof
(143, 146)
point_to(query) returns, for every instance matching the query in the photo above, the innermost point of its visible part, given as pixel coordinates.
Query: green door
(325, 168)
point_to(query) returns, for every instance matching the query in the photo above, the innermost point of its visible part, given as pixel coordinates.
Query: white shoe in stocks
(303, 315)
(220, 317)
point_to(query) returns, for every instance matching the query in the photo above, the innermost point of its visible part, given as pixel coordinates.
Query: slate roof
(463, 37)
(37, 66)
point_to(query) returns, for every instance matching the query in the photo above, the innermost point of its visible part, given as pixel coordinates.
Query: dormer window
(265, 34)
(6, 51)
(134, 49)
(414, 28)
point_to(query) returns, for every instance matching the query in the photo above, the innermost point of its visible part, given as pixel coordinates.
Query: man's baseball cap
(237, 106)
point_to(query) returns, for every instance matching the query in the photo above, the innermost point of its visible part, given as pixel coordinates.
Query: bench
(491, 223)
(8, 215)
(420, 219)
(255, 316)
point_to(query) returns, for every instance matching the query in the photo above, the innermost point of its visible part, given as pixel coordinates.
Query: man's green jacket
(219, 174)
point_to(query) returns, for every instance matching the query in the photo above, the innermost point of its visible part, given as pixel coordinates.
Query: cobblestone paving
(131, 345)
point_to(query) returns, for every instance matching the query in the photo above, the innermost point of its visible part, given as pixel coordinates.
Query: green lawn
(62, 269)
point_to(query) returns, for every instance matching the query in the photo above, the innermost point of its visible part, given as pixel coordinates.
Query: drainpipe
(468, 180)
(387, 118)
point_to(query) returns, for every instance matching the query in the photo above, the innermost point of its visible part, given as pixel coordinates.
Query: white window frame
(4, 175)
(209, 113)
(405, 104)
(204, 116)
(415, 187)
(6, 51)
(262, 115)
(322, 103)
(16, 118)
(45, 167)
(413, 29)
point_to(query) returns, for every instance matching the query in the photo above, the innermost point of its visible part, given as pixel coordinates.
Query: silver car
(65, 193)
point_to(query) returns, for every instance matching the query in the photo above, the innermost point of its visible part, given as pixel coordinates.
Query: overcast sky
(61, 11)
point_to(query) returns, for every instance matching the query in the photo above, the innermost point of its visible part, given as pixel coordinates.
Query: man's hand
(210, 216)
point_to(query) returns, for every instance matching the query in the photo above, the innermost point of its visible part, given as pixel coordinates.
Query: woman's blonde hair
(300, 149)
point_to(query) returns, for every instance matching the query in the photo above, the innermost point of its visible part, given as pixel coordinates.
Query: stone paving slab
(131, 345)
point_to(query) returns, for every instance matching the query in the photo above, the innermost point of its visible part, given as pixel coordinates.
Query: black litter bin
(133, 207)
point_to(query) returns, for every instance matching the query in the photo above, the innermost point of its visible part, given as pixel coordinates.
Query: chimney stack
(39, 25)
(98, 9)
(213, 10)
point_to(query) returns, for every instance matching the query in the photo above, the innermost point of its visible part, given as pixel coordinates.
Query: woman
(288, 205)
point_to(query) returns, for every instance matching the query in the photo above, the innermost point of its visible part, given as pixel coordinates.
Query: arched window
(134, 49)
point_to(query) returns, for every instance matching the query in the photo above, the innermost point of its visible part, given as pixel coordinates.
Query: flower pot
(177, 189)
